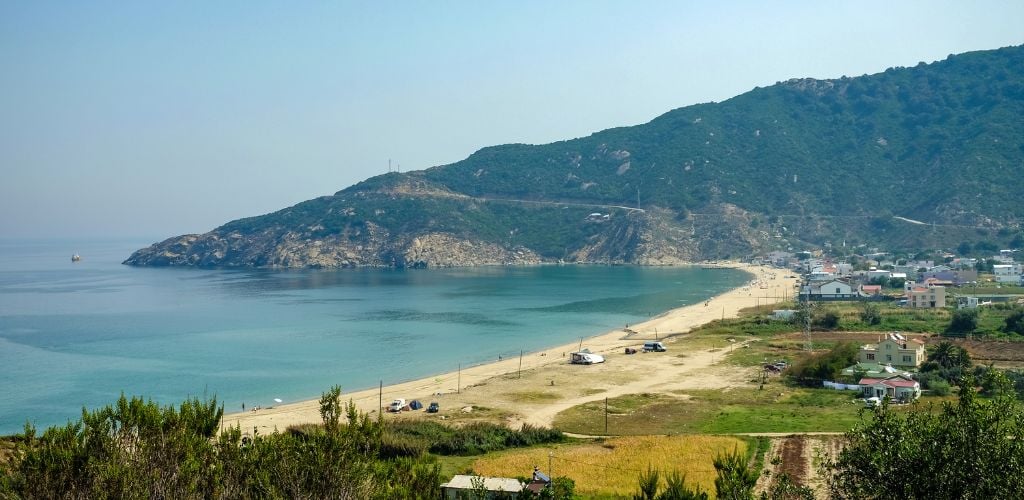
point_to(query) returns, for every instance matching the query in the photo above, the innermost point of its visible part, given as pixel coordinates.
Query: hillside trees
(138, 449)
(971, 448)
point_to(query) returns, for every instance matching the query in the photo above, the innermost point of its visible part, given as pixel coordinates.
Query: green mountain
(923, 156)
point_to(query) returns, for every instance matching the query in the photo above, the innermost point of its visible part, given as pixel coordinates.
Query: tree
(996, 383)
(870, 314)
(675, 487)
(1014, 323)
(648, 484)
(963, 321)
(971, 448)
(735, 480)
(812, 370)
(829, 320)
(949, 355)
(139, 449)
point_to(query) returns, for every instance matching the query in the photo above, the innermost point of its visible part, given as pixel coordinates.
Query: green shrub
(824, 366)
(964, 321)
(939, 387)
(871, 314)
(1014, 323)
(470, 439)
(138, 449)
(829, 320)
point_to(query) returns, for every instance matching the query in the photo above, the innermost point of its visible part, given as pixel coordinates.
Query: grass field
(777, 408)
(754, 322)
(609, 469)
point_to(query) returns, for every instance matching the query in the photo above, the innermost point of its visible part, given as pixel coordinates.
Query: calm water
(80, 334)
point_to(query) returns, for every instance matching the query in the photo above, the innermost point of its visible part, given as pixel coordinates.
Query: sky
(149, 119)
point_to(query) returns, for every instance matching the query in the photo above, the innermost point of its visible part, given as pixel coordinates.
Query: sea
(80, 334)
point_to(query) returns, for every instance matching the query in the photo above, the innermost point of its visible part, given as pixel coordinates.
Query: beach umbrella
(278, 400)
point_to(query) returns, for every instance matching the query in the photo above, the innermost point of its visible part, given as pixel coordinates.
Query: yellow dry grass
(612, 467)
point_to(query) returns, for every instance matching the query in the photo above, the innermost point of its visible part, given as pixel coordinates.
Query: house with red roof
(898, 387)
(871, 290)
(929, 296)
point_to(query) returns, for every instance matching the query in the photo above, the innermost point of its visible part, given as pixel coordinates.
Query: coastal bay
(80, 334)
(535, 388)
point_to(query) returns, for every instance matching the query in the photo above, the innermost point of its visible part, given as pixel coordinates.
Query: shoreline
(455, 389)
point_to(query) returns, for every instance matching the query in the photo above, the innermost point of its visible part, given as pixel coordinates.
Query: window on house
(906, 359)
(871, 357)
(888, 357)
(888, 346)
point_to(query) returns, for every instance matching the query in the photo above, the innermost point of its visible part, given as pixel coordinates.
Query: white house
(1007, 273)
(832, 290)
(897, 387)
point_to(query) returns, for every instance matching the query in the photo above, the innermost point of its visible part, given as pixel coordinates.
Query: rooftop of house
(899, 338)
(464, 482)
(896, 381)
(874, 370)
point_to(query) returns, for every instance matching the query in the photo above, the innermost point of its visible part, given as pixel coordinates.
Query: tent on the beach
(415, 405)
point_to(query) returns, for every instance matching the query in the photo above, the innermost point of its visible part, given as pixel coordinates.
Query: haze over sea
(74, 335)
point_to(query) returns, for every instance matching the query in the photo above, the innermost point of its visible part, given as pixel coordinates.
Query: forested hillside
(800, 162)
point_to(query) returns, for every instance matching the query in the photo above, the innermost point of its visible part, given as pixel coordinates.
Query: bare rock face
(442, 250)
(293, 250)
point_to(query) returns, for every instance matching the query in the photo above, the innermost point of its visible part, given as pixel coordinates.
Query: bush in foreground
(972, 448)
(138, 449)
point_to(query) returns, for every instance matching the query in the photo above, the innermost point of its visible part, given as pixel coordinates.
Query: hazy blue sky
(159, 118)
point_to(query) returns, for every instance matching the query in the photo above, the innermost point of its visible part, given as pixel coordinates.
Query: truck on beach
(585, 357)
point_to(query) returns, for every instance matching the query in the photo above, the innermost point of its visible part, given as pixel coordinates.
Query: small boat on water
(76, 258)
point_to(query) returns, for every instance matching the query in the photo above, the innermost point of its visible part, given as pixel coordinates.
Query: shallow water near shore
(80, 334)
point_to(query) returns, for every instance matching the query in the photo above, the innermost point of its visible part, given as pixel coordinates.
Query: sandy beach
(548, 384)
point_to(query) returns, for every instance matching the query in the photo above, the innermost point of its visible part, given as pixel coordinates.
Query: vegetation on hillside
(799, 161)
(971, 448)
(138, 449)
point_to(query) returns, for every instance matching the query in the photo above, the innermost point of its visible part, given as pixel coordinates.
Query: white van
(654, 347)
(397, 405)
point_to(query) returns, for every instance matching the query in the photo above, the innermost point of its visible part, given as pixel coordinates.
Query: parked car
(872, 402)
(654, 347)
(434, 407)
(397, 405)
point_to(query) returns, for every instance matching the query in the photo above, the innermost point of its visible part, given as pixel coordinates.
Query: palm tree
(949, 355)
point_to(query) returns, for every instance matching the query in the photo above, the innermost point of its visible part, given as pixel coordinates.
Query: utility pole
(808, 345)
(520, 364)
(380, 400)
(606, 416)
(458, 385)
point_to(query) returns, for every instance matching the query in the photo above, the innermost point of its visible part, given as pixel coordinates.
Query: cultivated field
(609, 468)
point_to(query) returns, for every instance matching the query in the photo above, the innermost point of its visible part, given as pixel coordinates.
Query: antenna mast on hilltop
(389, 165)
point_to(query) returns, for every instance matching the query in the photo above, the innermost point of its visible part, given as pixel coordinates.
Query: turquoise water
(74, 335)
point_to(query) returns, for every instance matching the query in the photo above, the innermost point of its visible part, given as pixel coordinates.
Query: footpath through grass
(775, 409)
